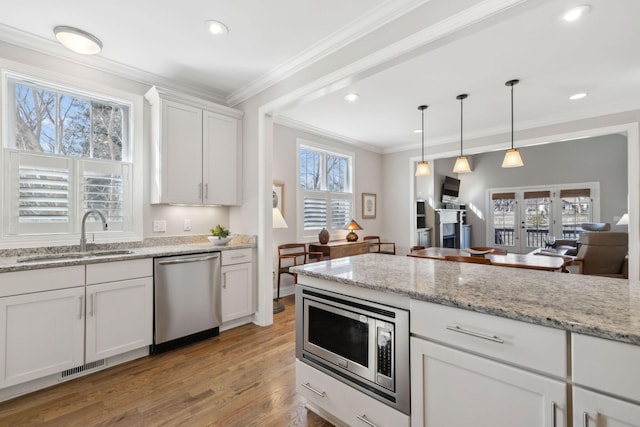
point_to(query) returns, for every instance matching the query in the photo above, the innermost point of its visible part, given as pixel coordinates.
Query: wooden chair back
(379, 247)
(291, 254)
(470, 259)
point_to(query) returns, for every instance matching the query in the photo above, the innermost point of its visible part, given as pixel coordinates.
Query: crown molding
(303, 127)
(52, 48)
(376, 18)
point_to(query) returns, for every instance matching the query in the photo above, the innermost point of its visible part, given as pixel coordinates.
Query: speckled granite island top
(597, 306)
(11, 263)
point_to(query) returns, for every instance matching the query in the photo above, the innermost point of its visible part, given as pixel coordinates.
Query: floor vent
(80, 369)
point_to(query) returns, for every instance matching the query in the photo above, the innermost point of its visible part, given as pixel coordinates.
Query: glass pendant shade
(512, 159)
(423, 166)
(462, 165)
(423, 169)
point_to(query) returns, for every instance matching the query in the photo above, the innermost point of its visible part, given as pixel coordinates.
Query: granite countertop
(598, 306)
(11, 263)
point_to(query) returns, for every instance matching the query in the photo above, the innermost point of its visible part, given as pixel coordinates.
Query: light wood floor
(244, 377)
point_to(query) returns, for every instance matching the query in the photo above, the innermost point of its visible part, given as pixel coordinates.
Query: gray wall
(600, 159)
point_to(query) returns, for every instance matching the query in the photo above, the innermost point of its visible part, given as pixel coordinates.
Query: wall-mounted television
(450, 188)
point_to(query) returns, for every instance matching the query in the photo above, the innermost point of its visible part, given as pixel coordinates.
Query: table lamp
(352, 237)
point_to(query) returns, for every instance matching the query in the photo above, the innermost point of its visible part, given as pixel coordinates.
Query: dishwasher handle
(185, 261)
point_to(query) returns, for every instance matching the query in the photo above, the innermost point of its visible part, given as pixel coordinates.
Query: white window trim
(335, 234)
(555, 195)
(10, 69)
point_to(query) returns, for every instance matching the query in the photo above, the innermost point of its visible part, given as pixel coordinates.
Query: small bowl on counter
(219, 241)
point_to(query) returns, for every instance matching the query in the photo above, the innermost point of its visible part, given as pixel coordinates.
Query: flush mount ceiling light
(77, 40)
(351, 97)
(576, 13)
(423, 167)
(512, 157)
(577, 96)
(462, 163)
(217, 28)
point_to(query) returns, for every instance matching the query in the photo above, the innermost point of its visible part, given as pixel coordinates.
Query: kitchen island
(501, 346)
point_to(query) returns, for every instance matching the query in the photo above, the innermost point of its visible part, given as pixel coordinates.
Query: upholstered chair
(603, 253)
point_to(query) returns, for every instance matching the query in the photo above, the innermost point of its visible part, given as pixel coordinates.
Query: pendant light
(512, 157)
(462, 163)
(423, 167)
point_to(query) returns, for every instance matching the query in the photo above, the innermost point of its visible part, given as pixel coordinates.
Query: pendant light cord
(512, 116)
(422, 134)
(461, 126)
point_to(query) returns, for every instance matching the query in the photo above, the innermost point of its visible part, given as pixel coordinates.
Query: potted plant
(219, 235)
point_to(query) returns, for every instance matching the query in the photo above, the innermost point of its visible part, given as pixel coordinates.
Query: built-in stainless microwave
(362, 343)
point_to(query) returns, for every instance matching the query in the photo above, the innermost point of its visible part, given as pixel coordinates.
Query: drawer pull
(585, 419)
(319, 393)
(238, 256)
(553, 414)
(475, 334)
(365, 420)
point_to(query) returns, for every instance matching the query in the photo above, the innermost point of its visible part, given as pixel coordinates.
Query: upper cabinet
(196, 154)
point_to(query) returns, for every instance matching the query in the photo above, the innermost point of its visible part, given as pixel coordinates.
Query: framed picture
(368, 205)
(278, 196)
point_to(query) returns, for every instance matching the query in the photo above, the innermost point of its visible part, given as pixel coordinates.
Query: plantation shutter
(315, 213)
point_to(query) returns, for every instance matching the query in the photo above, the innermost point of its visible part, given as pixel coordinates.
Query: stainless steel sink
(73, 255)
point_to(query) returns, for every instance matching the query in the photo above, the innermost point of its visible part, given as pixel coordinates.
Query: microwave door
(344, 338)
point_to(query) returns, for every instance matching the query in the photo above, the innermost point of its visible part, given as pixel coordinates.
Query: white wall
(368, 178)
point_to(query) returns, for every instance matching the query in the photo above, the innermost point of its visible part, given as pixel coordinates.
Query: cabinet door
(597, 410)
(237, 292)
(454, 388)
(119, 317)
(40, 334)
(181, 159)
(221, 156)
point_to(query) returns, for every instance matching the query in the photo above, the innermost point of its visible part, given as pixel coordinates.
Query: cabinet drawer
(45, 279)
(343, 402)
(606, 365)
(119, 270)
(236, 256)
(528, 345)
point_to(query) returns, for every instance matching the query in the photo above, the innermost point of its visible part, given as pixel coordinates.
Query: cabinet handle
(319, 393)
(365, 420)
(206, 191)
(238, 256)
(553, 414)
(80, 313)
(585, 419)
(475, 334)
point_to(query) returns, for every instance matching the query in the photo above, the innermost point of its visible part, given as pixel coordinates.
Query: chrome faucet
(83, 238)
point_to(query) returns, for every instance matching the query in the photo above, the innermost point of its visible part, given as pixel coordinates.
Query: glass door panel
(536, 223)
(504, 221)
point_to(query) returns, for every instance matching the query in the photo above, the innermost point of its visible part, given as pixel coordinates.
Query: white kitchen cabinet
(119, 317)
(592, 409)
(41, 334)
(450, 387)
(342, 404)
(237, 295)
(197, 150)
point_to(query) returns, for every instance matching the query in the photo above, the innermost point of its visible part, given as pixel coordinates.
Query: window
(576, 209)
(325, 182)
(67, 152)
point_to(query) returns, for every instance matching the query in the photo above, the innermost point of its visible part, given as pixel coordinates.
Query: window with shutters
(66, 152)
(325, 183)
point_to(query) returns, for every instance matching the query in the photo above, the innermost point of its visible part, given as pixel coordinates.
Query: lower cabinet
(119, 317)
(41, 333)
(450, 387)
(592, 409)
(341, 404)
(237, 294)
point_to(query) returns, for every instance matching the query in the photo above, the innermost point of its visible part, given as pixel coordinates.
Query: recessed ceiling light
(351, 97)
(576, 13)
(217, 28)
(77, 40)
(577, 96)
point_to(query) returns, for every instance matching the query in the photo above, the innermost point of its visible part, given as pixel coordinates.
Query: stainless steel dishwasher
(186, 299)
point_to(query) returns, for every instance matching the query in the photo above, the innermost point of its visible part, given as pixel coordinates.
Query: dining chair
(377, 246)
(470, 259)
(292, 254)
(496, 251)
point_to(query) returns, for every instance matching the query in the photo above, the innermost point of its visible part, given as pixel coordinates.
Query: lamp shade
(462, 165)
(512, 159)
(423, 169)
(278, 219)
(624, 220)
(352, 237)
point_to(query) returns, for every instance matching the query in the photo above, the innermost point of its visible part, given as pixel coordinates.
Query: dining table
(534, 262)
